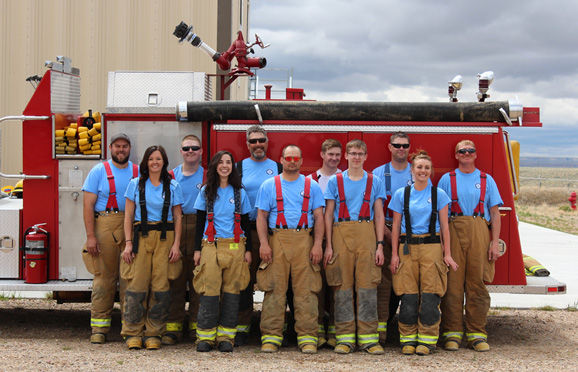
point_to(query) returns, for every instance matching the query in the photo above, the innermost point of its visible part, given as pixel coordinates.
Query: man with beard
(103, 212)
(254, 170)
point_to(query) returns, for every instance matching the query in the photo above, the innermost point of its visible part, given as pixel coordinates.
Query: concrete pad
(558, 252)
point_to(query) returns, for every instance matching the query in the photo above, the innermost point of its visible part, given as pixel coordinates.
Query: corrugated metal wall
(101, 36)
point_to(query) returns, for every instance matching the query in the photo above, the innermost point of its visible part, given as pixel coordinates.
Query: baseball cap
(118, 136)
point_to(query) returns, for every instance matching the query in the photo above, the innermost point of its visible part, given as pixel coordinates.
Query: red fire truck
(42, 234)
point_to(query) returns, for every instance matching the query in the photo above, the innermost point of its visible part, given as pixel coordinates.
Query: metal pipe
(23, 117)
(344, 111)
(24, 176)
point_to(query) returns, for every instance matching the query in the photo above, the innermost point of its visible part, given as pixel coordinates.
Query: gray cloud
(395, 50)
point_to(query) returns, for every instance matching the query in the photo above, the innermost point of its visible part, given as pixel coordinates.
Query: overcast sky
(387, 50)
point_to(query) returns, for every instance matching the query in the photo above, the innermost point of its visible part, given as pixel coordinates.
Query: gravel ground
(40, 335)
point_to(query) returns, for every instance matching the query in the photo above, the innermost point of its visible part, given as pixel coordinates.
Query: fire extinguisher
(36, 254)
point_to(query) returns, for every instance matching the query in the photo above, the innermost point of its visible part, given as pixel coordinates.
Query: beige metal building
(101, 36)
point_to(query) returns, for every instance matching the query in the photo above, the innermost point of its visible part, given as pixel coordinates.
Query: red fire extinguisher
(36, 254)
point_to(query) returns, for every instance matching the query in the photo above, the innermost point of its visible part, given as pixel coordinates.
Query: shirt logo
(409, 182)
(429, 200)
(269, 171)
(302, 193)
(199, 185)
(478, 186)
(232, 200)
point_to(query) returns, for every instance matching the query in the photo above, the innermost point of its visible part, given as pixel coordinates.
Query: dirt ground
(40, 335)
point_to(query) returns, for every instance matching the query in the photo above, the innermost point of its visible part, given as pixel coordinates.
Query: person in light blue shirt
(103, 215)
(395, 175)
(420, 256)
(190, 175)
(221, 258)
(253, 170)
(474, 207)
(151, 256)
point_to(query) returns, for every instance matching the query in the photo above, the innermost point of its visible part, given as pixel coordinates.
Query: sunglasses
(468, 151)
(190, 148)
(400, 145)
(292, 158)
(253, 141)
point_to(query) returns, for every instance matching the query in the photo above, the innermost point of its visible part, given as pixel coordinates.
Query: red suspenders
(315, 176)
(365, 211)
(456, 210)
(237, 230)
(281, 222)
(111, 204)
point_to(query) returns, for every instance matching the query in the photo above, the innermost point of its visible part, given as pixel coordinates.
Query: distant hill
(548, 162)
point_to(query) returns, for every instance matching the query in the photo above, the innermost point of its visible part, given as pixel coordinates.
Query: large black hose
(343, 111)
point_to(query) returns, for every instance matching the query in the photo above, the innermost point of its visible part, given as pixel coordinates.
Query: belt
(105, 213)
(136, 228)
(420, 240)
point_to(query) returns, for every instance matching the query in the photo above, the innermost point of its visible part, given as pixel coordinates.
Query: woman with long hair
(221, 260)
(151, 257)
(420, 256)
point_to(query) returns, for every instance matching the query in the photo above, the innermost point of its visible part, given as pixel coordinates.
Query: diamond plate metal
(65, 93)
(135, 90)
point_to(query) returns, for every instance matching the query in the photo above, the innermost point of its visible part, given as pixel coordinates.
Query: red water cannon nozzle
(572, 200)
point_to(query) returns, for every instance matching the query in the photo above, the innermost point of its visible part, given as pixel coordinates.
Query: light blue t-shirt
(419, 208)
(223, 210)
(97, 183)
(154, 199)
(399, 179)
(292, 200)
(469, 188)
(190, 185)
(354, 194)
(254, 173)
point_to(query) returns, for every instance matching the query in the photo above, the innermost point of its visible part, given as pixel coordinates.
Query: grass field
(543, 198)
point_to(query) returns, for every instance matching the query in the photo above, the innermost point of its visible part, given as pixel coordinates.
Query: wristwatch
(382, 242)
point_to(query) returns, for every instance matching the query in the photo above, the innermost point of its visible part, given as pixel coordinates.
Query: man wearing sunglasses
(475, 205)
(290, 227)
(394, 175)
(190, 176)
(254, 170)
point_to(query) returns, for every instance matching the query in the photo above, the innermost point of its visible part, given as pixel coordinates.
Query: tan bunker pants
(421, 280)
(178, 287)
(147, 297)
(220, 277)
(470, 239)
(353, 272)
(291, 249)
(108, 228)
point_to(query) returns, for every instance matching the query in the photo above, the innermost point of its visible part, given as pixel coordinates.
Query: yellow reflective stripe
(535, 268)
(382, 327)
(270, 339)
(174, 327)
(458, 335)
(229, 332)
(306, 340)
(426, 339)
(331, 329)
(349, 337)
(321, 328)
(368, 338)
(209, 334)
(243, 328)
(192, 326)
(475, 336)
(99, 322)
(407, 338)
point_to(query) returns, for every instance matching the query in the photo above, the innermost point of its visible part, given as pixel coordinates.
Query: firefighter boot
(97, 338)
(375, 349)
(134, 343)
(269, 348)
(309, 349)
(422, 350)
(153, 343)
(207, 322)
(481, 346)
(451, 345)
